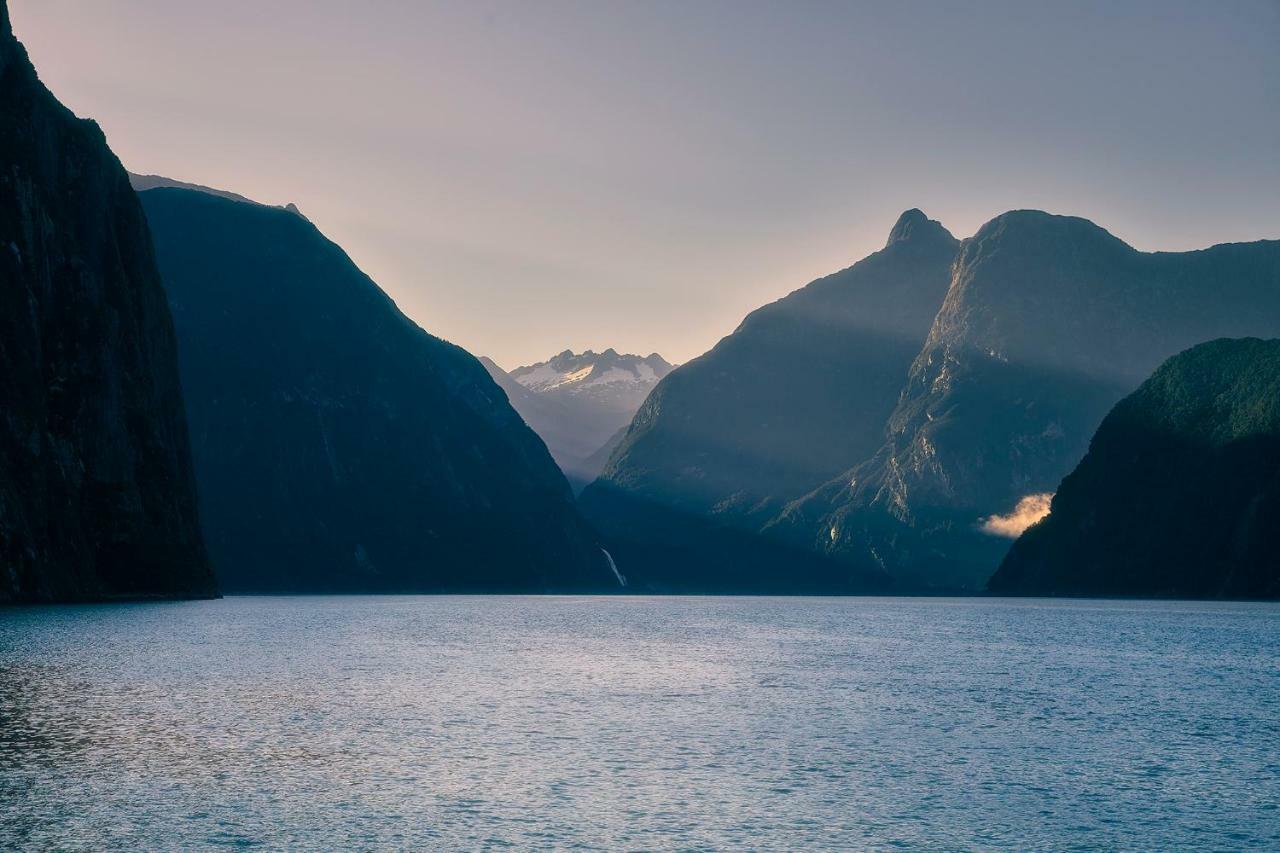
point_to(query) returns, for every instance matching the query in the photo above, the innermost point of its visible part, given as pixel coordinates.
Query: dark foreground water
(342, 723)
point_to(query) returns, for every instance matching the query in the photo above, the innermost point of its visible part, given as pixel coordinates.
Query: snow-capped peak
(589, 371)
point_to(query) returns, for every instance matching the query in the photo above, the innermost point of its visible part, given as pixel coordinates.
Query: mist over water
(640, 723)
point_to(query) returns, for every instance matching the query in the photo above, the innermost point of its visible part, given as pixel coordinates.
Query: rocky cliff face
(338, 446)
(1179, 494)
(786, 402)
(97, 498)
(1048, 322)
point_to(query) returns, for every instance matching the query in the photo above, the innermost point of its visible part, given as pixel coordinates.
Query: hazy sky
(528, 176)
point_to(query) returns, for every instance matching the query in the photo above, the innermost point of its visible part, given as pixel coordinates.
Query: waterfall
(622, 581)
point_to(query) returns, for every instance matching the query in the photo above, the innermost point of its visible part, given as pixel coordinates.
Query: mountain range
(774, 410)
(201, 391)
(1048, 322)
(581, 403)
(939, 438)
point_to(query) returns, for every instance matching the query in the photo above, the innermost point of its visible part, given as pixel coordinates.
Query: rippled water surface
(620, 723)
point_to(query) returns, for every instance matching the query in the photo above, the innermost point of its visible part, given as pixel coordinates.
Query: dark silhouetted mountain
(339, 447)
(1049, 321)
(141, 183)
(97, 498)
(1179, 494)
(579, 402)
(797, 393)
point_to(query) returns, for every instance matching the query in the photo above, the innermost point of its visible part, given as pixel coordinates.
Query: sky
(527, 177)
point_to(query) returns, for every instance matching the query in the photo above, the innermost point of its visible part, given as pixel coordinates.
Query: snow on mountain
(573, 373)
(578, 402)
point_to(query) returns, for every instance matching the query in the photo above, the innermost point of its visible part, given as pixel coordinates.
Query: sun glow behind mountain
(642, 175)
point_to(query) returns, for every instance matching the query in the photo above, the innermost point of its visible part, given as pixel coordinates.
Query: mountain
(620, 382)
(141, 183)
(97, 498)
(338, 446)
(1179, 494)
(579, 402)
(1048, 322)
(795, 395)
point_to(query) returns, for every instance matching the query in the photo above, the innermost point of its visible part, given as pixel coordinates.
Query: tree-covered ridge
(1216, 393)
(1179, 494)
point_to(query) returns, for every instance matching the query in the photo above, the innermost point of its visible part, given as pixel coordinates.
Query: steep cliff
(97, 498)
(799, 392)
(1049, 321)
(338, 446)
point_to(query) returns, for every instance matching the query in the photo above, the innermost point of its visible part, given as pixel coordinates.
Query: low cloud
(1029, 510)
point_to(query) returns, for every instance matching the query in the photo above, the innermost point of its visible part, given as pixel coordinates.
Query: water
(618, 723)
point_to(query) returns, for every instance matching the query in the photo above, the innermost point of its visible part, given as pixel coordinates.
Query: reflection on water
(640, 723)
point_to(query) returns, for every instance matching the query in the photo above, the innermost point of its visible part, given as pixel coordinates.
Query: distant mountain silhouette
(97, 497)
(1048, 322)
(578, 402)
(1179, 494)
(338, 446)
(141, 183)
(794, 396)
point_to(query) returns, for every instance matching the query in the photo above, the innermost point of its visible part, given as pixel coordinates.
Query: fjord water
(652, 723)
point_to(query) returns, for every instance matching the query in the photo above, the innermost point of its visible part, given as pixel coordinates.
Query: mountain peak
(10, 47)
(1028, 220)
(1029, 229)
(658, 362)
(913, 225)
(591, 371)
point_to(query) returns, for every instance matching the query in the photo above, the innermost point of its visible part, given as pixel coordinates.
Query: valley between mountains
(204, 394)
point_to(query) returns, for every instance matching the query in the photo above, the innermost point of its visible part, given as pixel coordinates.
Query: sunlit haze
(527, 177)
